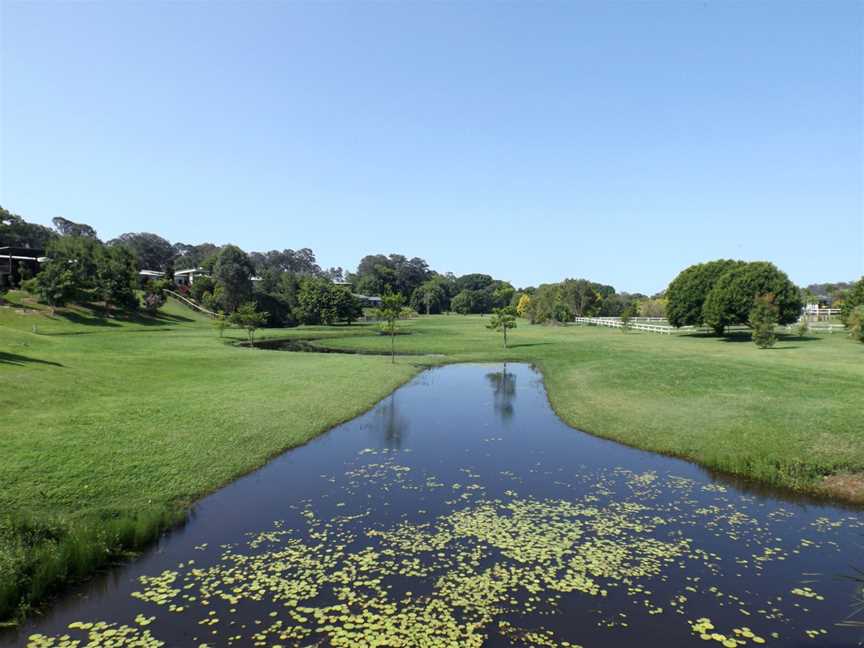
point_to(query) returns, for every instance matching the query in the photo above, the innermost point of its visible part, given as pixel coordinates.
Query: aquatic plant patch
(614, 552)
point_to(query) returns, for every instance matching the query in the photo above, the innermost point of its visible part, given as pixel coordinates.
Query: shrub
(803, 327)
(153, 301)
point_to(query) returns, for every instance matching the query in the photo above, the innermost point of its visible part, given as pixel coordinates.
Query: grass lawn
(111, 428)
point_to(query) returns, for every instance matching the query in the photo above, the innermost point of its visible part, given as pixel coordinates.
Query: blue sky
(618, 141)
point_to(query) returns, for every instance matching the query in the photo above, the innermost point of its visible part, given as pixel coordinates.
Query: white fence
(636, 323)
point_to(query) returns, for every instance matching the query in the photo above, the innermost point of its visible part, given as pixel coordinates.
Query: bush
(763, 319)
(803, 327)
(153, 301)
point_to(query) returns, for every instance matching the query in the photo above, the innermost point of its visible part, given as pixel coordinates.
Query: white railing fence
(188, 302)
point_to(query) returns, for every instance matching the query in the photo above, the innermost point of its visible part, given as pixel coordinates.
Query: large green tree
(16, 232)
(687, 293)
(853, 299)
(734, 295)
(153, 251)
(232, 272)
(430, 296)
(321, 302)
(67, 227)
(117, 277)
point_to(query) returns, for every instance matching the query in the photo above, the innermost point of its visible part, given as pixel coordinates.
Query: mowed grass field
(112, 428)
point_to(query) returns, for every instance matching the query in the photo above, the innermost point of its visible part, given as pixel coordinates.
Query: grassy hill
(113, 427)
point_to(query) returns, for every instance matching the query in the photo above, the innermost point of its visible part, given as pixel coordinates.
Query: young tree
(502, 320)
(248, 317)
(523, 305)
(763, 319)
(220, 323)
(391, 311)
(626, 317)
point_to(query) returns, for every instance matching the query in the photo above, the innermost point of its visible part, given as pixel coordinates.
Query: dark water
(461, 512)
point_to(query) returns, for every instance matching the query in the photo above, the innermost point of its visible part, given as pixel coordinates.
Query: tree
(652, 307)
(248, 317)
(153, 251)
(502, 320)
(473, 282)
(232, 271)
(853, 299)
(522, 306)
(856, 324)
(561, 312)
(430, 295)
(733, 296)
(687, 293)
(346, 305)
(626, 316)
(763, 319)
(69, 228)
(203, 284)
(78, 255)
(117, 277)
(321, 302)
(16, 232)
(463, 303)
(220, 323)
(390, 312)
(55, 284)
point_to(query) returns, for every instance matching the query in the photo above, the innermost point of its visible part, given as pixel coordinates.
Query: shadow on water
(460, 506)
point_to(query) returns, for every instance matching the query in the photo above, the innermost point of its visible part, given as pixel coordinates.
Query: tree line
(291, 288)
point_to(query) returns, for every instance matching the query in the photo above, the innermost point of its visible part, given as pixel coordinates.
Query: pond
(460, 511)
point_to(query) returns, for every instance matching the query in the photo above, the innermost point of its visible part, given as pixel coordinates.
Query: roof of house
(151, 273)
(371, 298)
(21, 252)
(190, 271)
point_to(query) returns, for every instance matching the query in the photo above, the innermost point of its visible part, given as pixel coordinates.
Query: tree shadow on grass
(527, 344)
(20, 360)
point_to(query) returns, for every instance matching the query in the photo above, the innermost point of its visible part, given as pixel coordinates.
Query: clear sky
(617, 141)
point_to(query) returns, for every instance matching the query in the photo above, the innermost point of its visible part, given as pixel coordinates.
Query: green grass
(112, 428)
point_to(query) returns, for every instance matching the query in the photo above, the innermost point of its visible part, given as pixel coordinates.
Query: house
(187, 277)
(19, 263)
(150, 275)
(368, 300)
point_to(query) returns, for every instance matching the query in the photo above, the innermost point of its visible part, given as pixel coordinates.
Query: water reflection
(504, 392)
(389, 428)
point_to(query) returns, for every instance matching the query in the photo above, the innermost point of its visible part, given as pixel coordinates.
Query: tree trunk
(505, 337)
(393, 346)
